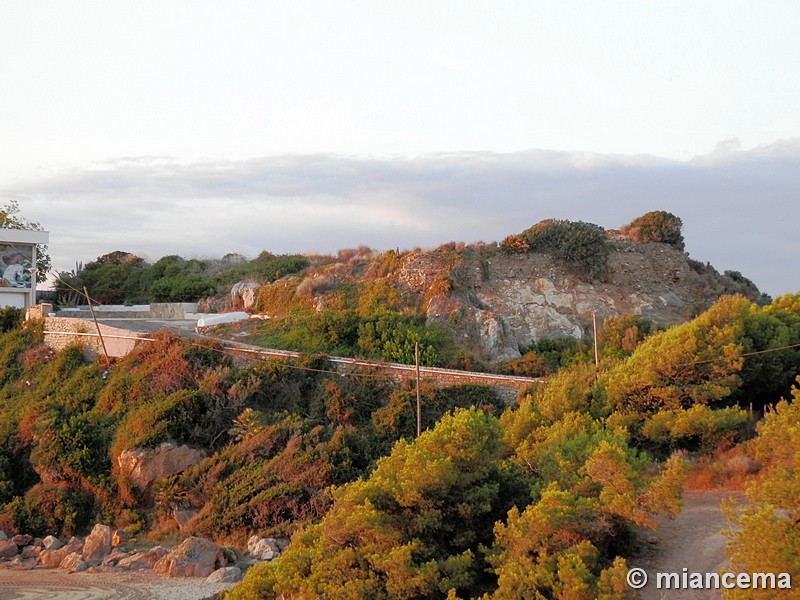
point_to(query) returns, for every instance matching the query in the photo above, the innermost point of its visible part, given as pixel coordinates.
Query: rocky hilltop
(500, 303)
(495, 302)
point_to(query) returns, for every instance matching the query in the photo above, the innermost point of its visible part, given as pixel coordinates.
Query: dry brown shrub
(725, 468)
(37, 355)
(315, 286)
(515, 244)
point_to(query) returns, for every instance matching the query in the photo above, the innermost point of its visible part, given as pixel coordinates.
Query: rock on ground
(8, 549)
(225, 575)
(195, 557)
(97, 544)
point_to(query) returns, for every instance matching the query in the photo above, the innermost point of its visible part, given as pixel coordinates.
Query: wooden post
(419, 410)
(97, 325)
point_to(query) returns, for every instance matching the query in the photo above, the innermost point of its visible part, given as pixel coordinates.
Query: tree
(765, 537)
(696, 362)
(415, 528)
(10, 219)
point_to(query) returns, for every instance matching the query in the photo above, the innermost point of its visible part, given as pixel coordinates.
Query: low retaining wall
(60, 332)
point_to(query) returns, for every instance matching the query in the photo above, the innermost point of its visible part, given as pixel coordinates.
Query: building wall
(15, 299)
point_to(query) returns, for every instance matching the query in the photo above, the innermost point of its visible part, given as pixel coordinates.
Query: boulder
(97, 544)
(8, 549)
(263, 548)
(3, 536)
(30, 552)
(142, 560)
(18, 563)
(134, 562)
(51, 543)
(246, 292)
(225, 575)
(51, 559)
(22, 540)
(113, 558)
(72, 562)
(143, 466)
(195, 557)
(153, 555)
(266, 549)
(37, 543)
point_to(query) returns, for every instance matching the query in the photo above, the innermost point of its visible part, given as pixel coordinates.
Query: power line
(742, 355)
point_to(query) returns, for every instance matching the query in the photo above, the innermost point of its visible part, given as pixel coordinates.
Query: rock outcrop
(244, 294)
(143, 466)
(497, 304)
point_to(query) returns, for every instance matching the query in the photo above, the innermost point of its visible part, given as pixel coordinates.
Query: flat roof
(24, 236)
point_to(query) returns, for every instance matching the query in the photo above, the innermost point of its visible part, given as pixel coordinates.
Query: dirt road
(692, 540)
(43, 584)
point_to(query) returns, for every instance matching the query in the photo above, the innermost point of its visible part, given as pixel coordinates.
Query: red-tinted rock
(22, 540)
(8, 549)
(195, 557)
(97, 544)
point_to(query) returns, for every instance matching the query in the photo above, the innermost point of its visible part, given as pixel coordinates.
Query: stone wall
(60, 332)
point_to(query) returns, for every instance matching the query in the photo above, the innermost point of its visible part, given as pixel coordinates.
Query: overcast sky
(201, 128)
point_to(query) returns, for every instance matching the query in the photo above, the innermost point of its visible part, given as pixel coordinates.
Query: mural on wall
(16, 265)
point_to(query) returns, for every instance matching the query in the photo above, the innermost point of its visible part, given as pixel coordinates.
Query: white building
(18, 266)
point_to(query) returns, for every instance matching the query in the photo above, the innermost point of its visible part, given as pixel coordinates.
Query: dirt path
(692, 540)
(44, 584)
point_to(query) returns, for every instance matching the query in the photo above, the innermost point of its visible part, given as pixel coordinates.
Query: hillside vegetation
(491, 501)
(476, 306)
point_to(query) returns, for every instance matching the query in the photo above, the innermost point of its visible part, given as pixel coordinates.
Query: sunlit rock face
(143, 466)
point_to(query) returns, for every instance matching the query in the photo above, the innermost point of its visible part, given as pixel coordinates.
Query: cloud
(739, 207)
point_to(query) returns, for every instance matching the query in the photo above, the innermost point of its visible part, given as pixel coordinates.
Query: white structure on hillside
(18, 266)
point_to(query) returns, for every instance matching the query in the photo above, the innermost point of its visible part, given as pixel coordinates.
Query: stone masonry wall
(60, 332)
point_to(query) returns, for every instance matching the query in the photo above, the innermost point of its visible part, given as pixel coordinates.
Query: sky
(200, 128)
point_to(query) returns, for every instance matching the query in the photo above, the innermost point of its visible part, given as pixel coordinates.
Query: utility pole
(419, 411)
(97, 325)
(594, 330)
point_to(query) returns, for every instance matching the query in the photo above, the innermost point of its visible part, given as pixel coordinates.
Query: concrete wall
(156, 310)
(60, 332)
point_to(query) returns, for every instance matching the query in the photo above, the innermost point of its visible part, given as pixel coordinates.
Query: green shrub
(52, 510)
(10, 318)
(583, 246)
(696, 428)
(656, 226)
